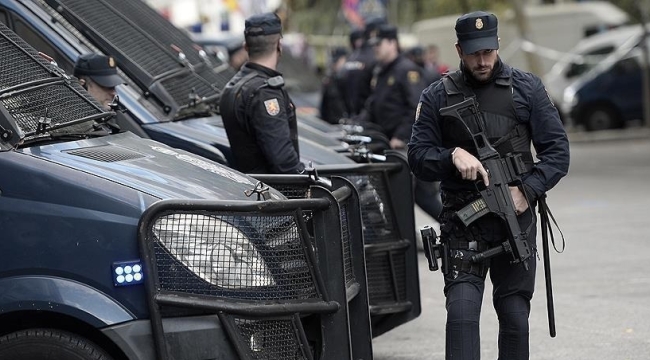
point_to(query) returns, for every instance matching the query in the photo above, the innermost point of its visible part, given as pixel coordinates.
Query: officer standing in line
(357, 70)
(258, 115)
(516, 111)
(332, 106)
(396, 86)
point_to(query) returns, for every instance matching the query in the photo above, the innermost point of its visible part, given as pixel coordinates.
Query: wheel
(601, 118)
(48, 344)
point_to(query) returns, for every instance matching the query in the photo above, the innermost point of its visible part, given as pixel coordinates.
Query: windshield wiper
(44, 125)
(197, 106)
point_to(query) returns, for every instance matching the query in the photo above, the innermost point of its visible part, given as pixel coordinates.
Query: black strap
(237, 89)
(545, 221)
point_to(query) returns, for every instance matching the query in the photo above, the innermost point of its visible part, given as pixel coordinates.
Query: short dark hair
(262, 45)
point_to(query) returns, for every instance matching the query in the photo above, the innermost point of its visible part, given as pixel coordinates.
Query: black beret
(477, 31)
(263, 24)
(100, 68)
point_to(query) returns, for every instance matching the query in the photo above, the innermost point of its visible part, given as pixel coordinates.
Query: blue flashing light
(127, 273)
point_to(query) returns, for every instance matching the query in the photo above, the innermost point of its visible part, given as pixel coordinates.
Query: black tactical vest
(235, 107)
(502, 128)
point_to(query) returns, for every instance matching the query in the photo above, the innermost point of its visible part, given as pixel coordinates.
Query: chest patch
(272, 106)
(391, 81)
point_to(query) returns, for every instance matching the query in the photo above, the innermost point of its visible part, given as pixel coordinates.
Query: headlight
(214, 250)
(570, 97)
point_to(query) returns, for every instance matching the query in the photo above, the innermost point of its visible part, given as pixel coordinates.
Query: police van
(118, 247)
(385, 188)
(604, 89)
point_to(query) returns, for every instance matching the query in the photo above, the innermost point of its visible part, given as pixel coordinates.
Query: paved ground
(601, 281)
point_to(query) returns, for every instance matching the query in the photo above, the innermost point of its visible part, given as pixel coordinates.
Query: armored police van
(118, 247)
(159, 79)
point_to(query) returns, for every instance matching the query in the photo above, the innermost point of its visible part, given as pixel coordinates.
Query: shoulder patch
(413, 76)
(417, 111)
(272, 106)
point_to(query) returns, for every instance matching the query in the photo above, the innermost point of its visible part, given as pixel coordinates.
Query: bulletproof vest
(248, 156)
(495, 101)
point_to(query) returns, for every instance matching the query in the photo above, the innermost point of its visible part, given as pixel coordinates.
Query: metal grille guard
(340, 337)
(390, 249)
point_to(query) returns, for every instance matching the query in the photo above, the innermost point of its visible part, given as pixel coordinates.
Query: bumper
(188, 338)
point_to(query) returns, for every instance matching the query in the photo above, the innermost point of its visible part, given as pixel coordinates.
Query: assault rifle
(496, 197)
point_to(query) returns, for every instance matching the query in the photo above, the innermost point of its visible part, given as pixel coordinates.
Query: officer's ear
(459, 50)
(83, 83)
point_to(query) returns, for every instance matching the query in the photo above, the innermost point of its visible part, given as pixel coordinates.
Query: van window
(35, 40)
(627, 66)
(579, 68)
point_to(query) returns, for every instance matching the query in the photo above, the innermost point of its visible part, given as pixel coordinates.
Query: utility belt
(462, 242)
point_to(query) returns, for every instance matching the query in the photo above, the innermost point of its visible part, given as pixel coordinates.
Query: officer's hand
(468, 166)
(519, 199)
(397, 144)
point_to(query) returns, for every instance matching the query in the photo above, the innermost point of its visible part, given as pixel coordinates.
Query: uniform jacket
(261, 124)
(396, 88)
(356, 76)
(429, 160)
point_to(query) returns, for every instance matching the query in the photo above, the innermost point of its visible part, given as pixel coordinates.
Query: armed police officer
(515, 111)
(258, 114)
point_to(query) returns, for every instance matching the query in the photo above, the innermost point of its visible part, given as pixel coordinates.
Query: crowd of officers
(378, 86)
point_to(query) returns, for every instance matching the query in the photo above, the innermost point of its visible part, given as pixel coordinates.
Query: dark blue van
(116, 247)
(610, 94)
(151, 102)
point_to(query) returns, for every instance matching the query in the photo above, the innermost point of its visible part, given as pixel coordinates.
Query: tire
(601, 118)
(48, 344)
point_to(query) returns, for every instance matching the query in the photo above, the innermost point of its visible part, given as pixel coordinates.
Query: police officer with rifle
(473, 132)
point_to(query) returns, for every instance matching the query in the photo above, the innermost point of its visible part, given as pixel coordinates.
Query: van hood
(150, 167)
(210, 131)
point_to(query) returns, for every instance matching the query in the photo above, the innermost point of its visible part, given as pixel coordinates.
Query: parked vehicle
(119, 247)
(586, 55)
(385, 189)
(608, 94)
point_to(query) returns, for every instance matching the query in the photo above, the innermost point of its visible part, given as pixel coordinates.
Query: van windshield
(587, 61)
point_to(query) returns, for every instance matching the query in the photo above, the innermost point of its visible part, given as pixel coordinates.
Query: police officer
(332, 106)
(258, 115)
(358, 68)
(516, 111)
(97, 73)
(396, 87)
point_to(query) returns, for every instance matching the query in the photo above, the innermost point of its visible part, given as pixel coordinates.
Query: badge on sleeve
(417, 111)
(413, 76)
(272, 106)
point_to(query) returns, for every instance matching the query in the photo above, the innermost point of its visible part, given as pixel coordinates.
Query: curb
(609, 135)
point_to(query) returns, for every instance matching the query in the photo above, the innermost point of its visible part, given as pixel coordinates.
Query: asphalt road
(601, 281)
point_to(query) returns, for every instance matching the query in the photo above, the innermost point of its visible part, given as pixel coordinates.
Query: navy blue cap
(477, 31)
(355, 35)
(263, 24)
(100, 68)
(385, 31)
